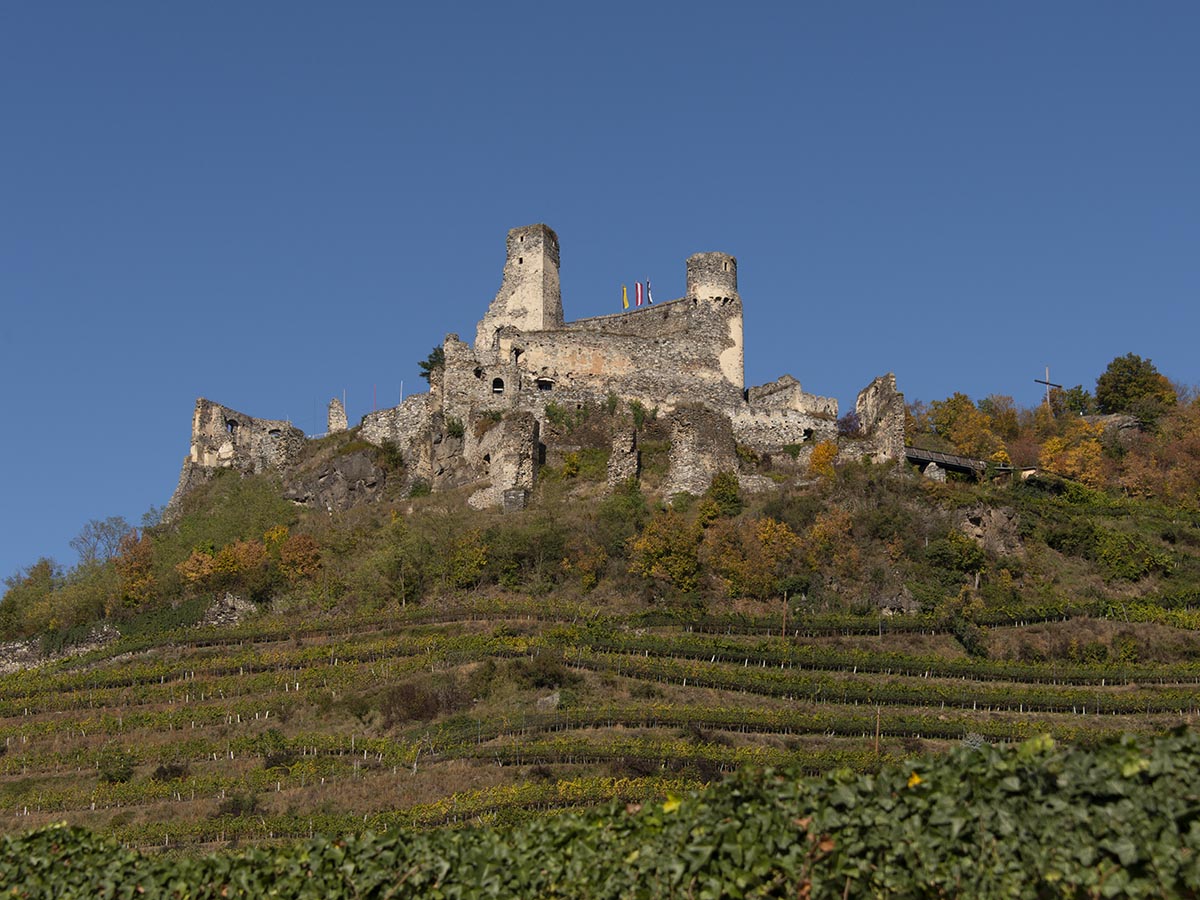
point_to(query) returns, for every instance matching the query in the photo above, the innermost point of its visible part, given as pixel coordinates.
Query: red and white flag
(637, 293)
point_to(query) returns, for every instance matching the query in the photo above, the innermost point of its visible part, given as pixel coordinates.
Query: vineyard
(495, 710)
(1034, 820)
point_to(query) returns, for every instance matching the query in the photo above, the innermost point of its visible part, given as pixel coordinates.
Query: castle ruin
(481, 423)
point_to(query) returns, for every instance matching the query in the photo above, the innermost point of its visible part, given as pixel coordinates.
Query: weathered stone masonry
(481, 420)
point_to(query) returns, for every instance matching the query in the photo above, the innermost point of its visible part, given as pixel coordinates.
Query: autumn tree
(1002, 417)
(820, 463)
(1077, 453)
(135, 570)
(666, 551)
(1166, 464)
(299, 557)
(829, 544)
(1075, 401)
(749, 558)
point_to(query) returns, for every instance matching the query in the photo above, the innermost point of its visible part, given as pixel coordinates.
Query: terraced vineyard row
(226, 737)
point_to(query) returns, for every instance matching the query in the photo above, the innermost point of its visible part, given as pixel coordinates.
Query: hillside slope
(408, 663)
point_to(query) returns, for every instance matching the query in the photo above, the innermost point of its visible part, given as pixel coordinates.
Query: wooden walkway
(963, 464)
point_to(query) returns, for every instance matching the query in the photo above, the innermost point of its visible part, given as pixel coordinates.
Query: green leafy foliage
(1033, 820)
(434, 362)
(1131, 384)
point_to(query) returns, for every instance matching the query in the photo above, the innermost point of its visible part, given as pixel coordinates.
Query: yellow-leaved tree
(749, 558)
(1076, 453)
(820, 463)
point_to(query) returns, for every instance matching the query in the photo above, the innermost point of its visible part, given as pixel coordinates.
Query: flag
(624, 298)
(637, 293)
(649, 296)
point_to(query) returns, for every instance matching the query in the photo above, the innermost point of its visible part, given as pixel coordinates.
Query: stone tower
(529, 298)
(712, 276)
(712, 286)
(336, 420)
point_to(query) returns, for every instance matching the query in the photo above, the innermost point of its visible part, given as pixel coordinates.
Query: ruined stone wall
(702, 445)
(770, 431)
(507, 456)
(785, 393)
(881, 413)
(225, 438)
(474, 382)
(657, 371)
(408, 427)
(336, 419)
(481, 421)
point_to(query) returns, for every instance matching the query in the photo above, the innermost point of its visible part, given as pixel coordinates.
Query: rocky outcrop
(934, 472)
(227, 611)
(18, 655)
(347, 480)
(995, 529)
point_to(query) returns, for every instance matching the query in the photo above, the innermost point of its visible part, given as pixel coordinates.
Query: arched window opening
(478, 372)
(231, 425)
(545, 384)
(497, 385)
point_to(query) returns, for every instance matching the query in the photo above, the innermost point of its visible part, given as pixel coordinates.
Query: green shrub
(238, 804)
(390, 456)
(115, 764)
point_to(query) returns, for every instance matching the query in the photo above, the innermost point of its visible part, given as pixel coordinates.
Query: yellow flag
(624, 298)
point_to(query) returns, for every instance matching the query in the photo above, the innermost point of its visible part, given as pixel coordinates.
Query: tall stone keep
(337, 417)
(530, 297)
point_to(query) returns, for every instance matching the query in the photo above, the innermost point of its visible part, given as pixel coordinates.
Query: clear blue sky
(269, 203)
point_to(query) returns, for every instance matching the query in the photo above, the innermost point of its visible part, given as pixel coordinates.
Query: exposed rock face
(1119, 429)
(347, 480)
(18, 655)
(623, 460)
(228, 610)
(701, 446)
(995, 529)
(934, 472)
(902, 601)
